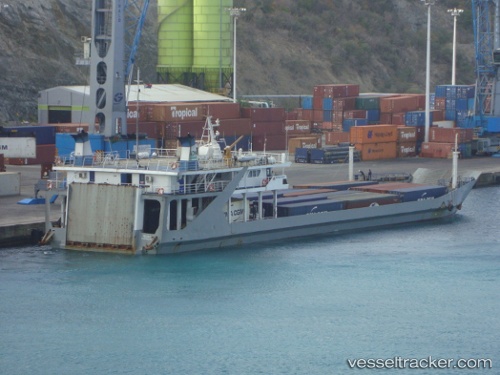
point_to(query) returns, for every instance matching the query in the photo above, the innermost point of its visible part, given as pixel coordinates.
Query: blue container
(348, 123)
(416, 118)
(465, 150)
(317, 155)
(342, 185)
(307, 208)
(119, 146)
(470, 104)
(327, 116)
(307, 102)
(451, 104)
(441, 91)
(44, 135)
(450, 115)
(328, 104)
(493, 124)
(302, 155)
(65, 143)
(373, 115)
(416, 193)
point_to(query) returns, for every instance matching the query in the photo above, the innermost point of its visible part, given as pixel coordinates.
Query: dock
(25, 224)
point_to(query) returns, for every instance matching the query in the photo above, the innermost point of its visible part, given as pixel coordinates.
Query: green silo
(175, 39)
(212, 42)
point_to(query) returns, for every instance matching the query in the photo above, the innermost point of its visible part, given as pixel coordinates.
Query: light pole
(428, 3)
(454, 13)
(235, 13)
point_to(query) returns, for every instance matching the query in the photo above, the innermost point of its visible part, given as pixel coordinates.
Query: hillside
(284, 47)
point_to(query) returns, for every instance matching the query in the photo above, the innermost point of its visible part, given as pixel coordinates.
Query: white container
(444, 124)
(18, 147)
(10, 183)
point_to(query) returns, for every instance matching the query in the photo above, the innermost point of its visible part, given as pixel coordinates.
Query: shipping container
(401, 104)
(297, 126)
(368, 103)
(303, 142)
(306, 102)
(299, 192)
(411, 194)
(369, 200)
(444, 124)
(177, 112)
(267, 128)
(221, 110)
(377, 151)
(344, 104)
(71, 128)
(65, 143)
(264, 114)
(335, 185)
(355, 114)
(44, 154)
(44, 134)
(273, 142)
(302, 155)
(333, 138)
(387, 187)
(407, 134)
(348, 123)
(373, 134)
(447, 135)
(406, 149)
(308, 208)
(437, 150)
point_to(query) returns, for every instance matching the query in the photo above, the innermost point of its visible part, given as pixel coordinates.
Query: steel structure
(109, 68)
(487, 99)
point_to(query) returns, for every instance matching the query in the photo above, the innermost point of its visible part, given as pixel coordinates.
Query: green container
(368, 102)
(175, 34)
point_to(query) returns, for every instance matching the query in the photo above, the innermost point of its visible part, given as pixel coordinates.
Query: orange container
(374, 134)
(333, 138)
(303, 142)
(177, 112)
(377, 151)
(447, 135)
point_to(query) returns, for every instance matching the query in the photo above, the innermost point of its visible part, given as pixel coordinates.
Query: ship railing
(461, 181)
(195, 188)
(243, 159)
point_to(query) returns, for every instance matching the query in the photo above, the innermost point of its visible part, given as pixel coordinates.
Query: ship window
(254, 173)
(126, 178)
(151, 216)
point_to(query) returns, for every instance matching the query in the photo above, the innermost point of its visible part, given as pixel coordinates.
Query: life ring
(49, 185)
(211, 187)
(160, 191)
(173, 166)
(265, 181)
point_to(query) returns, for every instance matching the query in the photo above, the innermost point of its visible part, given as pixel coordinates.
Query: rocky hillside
(284, 47)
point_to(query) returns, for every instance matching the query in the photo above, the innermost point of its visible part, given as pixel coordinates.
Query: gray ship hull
(337, 222)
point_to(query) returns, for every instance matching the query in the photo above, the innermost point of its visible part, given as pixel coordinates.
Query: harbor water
(299, 307)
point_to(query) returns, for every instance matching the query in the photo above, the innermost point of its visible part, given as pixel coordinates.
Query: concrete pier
(21, 224)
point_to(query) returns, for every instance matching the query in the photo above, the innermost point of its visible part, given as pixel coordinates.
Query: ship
(202, 195)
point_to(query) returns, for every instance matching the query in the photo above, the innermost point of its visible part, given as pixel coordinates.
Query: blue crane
(487, 99)
(135, 13)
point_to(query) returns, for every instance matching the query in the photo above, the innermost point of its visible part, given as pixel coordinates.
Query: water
(301, 307)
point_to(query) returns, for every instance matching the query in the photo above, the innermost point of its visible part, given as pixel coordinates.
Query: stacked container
(375, 141)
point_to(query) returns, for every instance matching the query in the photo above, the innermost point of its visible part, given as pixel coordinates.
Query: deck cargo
(308, 208)
(336, 185)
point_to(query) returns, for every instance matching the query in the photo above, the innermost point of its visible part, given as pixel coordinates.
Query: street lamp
(428, 3)
(454, 13)
(235, 13)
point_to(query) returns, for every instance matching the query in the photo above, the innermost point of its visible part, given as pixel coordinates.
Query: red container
(400, 104)
(222, 110)
(447, 135)
(2, 163)
(436, 150)
(406, 149)
(264, 114)
(355, 114)
(337, 117)
(376, 151)
(386, 118)
(267, 128)
(306, 114)
(145, 112)
(270, 142)
(344, 104)
(361, 202)
(71, 128)
(292, 115)
(399, 118)
(374, 134)
(235, 127)
(437, 115)
(386, 187)
(318, 102)
(180, 112)
(440, 104)
(297, 126)
(334, 138)
(407, 134)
